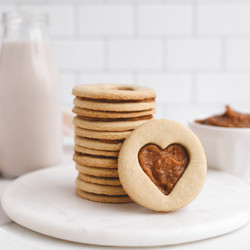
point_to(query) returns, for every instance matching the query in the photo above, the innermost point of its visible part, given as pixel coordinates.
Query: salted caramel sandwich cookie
(96, 171)
(111, 115)
(95, 119)
(162, 165)
(95, 152)
(95, 161)
(99, 144)
(109, 181)
(105, 135)
(112, 126)
(114, 97)
(115, 92)
(122, 106)
(99, 189)
(103, 198)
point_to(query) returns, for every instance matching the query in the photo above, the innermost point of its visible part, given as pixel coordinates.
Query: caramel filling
(164, 167)
(105, 140)
(146, 117)
(116, 101)
(96, 156)
(230, 118)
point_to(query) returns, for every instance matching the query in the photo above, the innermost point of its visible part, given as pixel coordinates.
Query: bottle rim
(28, 17)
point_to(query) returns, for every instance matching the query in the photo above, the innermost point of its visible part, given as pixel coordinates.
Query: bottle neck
(19, 32)
(24, 27)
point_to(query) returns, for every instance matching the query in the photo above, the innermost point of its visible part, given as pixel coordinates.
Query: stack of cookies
(105, 117)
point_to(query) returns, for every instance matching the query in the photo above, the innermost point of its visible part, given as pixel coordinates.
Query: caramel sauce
(164, 167)
(230, 118)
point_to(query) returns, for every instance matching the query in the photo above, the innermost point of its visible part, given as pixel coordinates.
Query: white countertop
(14, 236)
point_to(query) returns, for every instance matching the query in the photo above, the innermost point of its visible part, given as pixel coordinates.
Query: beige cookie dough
(114, 107)
(93, 161)
(99, 180)
(99, 189)
(103, 198)
(111, 115)
(98, 172)
(105, 135)
(137, 183)
(113, 91)
(98, 144)
(108, 126)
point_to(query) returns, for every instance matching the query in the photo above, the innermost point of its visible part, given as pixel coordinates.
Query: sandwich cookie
(98, 172)
(109, 126)
(99, 189)
(99, 180)
(99, 144)
(105, 135)
(95, 161)
(96, 152)
(114, 107)
(111, 115)
(113, 92)
(103, 198)
(162, 165)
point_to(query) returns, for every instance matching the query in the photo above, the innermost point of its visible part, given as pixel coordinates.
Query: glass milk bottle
(30, 114)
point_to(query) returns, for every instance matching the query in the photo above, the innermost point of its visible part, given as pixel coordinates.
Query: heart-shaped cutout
(164, 166)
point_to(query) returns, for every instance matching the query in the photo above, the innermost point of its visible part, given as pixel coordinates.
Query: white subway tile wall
(223, 88)
(134, 54)
(224, 19)
(106, 20)
(61, 18)
(194, 53)
(163, 84)
(73, 54)
(164, 19)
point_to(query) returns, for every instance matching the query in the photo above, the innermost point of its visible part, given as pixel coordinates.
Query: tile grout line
(76, 19)
(153, 71)
(135, 20)
(135, 77)
(223, 54)
(105, 54)
(164, 55)
(194, 28)
(193, 99)
(249, 87)
(155, 37)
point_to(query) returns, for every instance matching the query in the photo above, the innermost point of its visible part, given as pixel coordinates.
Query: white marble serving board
(44, 201)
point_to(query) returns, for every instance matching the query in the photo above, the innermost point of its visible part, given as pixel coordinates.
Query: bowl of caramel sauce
(226, 140)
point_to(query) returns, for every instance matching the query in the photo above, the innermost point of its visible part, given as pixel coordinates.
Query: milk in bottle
(30, 115)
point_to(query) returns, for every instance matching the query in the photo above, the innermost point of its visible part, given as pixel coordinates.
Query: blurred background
(194, 53)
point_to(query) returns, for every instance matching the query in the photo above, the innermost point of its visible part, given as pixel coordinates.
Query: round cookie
(113, 92)
(92, 161)
(96, 152)
(99, 180)
(111, 115)
(98, 144)
(99, 189)
(98, 172)
(108, 126)
(162, 165)
(114, 107)
(105, 135)
(103, 198)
